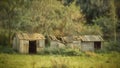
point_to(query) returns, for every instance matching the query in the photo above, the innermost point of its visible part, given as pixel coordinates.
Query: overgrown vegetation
(113, 46)
(61, 51)
(7, 50)
(61, 18)
(57, 61)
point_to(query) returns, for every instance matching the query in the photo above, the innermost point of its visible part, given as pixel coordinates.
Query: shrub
(72, 52)
(113, 46)
(104, 50)
(61, 51)
(109, 47)
(3, 37)
(6, 49)
(55, 51)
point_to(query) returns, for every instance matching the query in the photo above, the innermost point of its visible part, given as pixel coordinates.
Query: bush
(104, 50)
(3, 37)
(61, 51)
(71, 52)
(113, 46)
(109, 47)
(6, 49)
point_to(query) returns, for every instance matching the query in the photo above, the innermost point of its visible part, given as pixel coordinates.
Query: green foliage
(109, 22)
(113, 18)
(3, 37)
(10, 14)
(110, 60)
(91, 29)
(61, 51)
(6, 49)
(105, 24)
(72, 52)
(58, 17)
(54, 18)
(94, 8)
(103, 12)
(109, 47)
(113, 46)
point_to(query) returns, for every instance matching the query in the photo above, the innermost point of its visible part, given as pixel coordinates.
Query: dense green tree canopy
(60, 17)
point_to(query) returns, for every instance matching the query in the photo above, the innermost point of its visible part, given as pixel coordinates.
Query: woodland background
(60, 18)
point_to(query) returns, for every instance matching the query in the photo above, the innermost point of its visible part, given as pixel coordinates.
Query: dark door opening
(97, 45)
(32, 47)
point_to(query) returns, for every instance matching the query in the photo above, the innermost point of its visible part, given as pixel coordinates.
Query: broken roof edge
(52, 37)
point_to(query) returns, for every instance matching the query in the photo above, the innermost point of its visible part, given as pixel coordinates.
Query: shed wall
(74, 45)
(14, 43)
(24, 46)
(87, 46)
(77, 44)
(40, 45)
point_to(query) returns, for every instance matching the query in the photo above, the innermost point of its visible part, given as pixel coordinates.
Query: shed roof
(77, 38)
(91, 38)
(27, 36)
(67, 39)
(51, 37)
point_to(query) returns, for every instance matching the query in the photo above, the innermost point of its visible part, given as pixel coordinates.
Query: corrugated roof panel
(27, 36)
(52, 38)
(91, 38)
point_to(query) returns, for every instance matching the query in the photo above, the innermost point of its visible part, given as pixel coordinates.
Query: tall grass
(89, 60)
(61, 51)
(59, 63)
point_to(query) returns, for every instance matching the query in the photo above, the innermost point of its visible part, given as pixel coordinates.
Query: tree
(10, 14)
(93, 8)
(113, 17)
(109, 22)
(52, 17)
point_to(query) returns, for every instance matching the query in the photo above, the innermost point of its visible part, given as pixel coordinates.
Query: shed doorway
(97, 45)
(32, 47)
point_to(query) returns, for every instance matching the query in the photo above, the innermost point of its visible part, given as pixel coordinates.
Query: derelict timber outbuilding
(28, 42)
(91, 42)
(84, 42)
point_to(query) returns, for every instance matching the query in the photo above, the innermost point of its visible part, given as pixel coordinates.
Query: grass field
(89, 60)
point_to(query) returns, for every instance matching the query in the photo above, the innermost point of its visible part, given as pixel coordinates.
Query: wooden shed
(91, 42)
(28, 43)
(55, 43)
